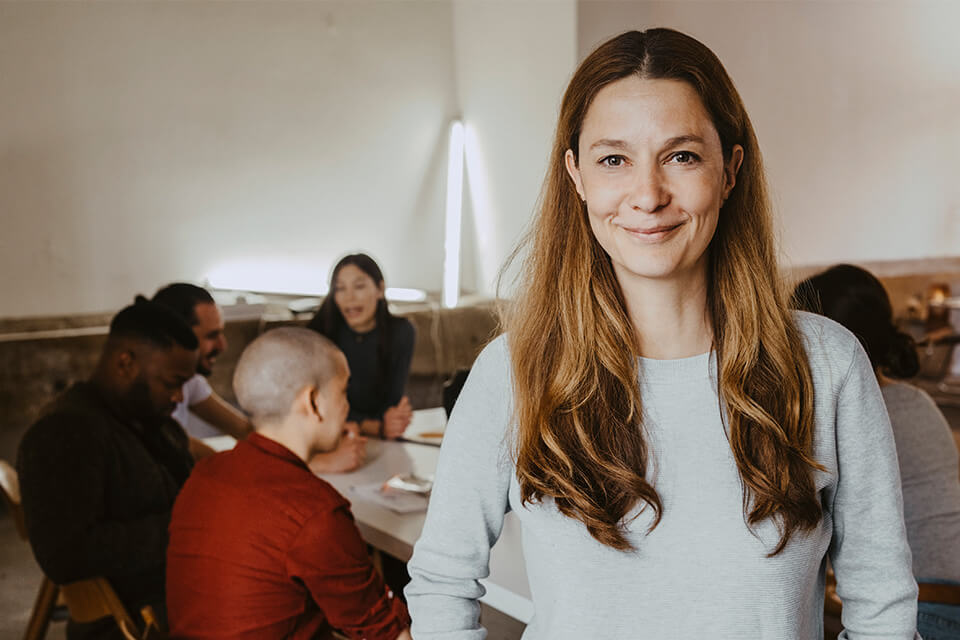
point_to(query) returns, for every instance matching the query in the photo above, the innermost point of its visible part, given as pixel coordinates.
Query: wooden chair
(10, 483)
(939, 593)
(86, 600)
(832, 607)
(45, 603)
(929, 592)
(94, 598)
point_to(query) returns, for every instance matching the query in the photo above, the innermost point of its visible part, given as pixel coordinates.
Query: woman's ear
(730, 170)
(573, 170)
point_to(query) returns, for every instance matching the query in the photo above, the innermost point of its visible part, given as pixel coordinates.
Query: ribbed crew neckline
(698, 367)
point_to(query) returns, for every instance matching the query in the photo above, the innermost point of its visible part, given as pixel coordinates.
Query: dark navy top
(372, 389)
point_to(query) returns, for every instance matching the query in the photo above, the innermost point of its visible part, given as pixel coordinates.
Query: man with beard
(99, 472)
(197, 308)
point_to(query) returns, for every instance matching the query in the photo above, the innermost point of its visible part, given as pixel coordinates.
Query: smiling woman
(669, 434)
(654, 177)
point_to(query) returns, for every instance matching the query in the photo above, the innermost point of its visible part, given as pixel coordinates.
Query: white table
(394, 533)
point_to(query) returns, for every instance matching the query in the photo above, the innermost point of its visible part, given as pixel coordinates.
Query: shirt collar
(274, 448)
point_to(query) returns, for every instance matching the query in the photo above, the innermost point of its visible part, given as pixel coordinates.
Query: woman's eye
(684, 157)
(612, 161)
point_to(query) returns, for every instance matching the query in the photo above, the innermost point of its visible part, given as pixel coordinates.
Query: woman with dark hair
(925, 446)
(377, 344)
(681, 450)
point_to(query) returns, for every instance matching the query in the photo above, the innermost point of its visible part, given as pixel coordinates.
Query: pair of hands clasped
(351, 451)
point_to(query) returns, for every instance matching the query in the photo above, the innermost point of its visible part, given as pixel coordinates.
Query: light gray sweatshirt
(701, 573)
(931, 488)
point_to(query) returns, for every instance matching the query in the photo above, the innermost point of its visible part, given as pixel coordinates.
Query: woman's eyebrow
(671, 142)
(686, 139)
(608, 142)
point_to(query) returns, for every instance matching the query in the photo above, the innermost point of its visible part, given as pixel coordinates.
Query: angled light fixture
(454, 217)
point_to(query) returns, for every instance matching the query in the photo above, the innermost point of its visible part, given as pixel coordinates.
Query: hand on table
(397, 419)
(350, 453)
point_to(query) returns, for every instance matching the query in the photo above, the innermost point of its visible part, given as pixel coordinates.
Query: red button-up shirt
(262, 548)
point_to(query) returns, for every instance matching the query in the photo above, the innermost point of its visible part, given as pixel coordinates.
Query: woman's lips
(652, 234)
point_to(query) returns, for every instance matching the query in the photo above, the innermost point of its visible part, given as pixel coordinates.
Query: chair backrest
(87, 600)
(452, 388)
(10, 483)
(937, 593)
(151, 630)
(93, 599)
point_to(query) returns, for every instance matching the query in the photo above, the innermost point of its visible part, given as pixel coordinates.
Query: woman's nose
(648, 191)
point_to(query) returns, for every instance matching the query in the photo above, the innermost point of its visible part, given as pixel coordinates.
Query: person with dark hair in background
(925, 446)
(198, 309)
(378, 346)
(100, 470)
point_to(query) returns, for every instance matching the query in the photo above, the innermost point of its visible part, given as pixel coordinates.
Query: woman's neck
(670, 316)
(365, 327)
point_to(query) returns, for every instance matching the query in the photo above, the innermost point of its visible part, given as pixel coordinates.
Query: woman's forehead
(351, 272)
(641, 110)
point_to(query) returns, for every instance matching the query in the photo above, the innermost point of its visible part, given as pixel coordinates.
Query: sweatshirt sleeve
(467, 507)
(869, 550)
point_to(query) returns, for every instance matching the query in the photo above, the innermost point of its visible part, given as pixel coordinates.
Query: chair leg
(42, 610)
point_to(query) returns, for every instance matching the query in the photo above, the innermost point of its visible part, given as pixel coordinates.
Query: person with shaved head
(260, 547)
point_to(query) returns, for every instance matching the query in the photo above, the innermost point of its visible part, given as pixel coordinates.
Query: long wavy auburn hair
(580, 438)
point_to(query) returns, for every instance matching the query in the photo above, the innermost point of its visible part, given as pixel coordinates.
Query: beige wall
(513, 61)
(149, 141)
(857, 107)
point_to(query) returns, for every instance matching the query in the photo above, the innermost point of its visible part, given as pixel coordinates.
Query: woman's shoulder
(497, 350)
(401, 326)
(401, 329)
(821, 335)
(830, 347)
(492, 365)
(815, 327)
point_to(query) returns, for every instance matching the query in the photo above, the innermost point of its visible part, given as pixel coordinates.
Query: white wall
(147, 142)
(857, 107)
(513, 61)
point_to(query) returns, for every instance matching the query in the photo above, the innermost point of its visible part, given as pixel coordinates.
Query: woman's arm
(467, 506)
(400, 357)
(398, 413)
(869, 550)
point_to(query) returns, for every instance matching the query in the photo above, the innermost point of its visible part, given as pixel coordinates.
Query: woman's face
(652, 173)
(356, 295)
